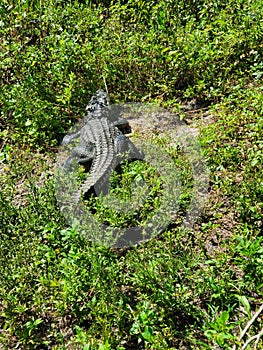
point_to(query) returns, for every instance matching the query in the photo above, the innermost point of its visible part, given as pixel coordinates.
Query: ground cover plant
(185, 289)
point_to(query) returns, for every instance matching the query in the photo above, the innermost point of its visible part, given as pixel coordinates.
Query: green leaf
(244, 301)
(147, 334)
(28, 122)
(224, 317)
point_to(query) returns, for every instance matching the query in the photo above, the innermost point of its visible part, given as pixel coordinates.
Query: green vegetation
(193, 288)
(122, 181)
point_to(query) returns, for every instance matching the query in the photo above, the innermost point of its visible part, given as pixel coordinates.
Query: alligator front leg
(82, 155)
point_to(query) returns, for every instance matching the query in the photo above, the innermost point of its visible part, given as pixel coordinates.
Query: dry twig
(251, 322)
(257, 337)
(248, 325)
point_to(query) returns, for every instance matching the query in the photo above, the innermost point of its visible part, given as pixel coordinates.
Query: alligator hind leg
(125, 149)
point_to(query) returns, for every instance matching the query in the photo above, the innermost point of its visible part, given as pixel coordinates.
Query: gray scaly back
(101, 142)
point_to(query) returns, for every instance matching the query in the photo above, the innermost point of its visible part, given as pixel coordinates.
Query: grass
(186, 288)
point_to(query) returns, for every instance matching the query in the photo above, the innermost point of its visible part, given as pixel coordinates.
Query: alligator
(101, 147)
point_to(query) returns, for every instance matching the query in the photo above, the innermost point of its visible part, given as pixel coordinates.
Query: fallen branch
(248, 325)
(251, 322)
(257, 337)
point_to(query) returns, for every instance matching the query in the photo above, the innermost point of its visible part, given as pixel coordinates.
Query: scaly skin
(102, 143)
(99, 133)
